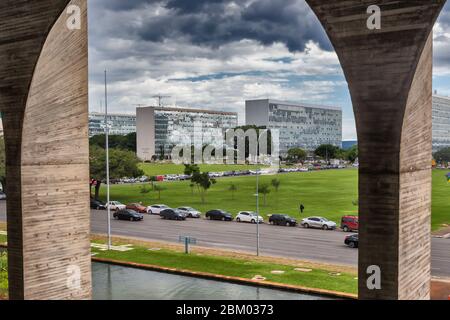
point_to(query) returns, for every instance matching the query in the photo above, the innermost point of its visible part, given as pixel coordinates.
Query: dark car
(172, 214)
(137, 207)
(282, 220)
(352, 241)
(219, 215)
(128, 214)
(97, 205)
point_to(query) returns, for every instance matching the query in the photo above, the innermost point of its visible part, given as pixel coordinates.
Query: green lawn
(151, 169)
(236, 267)
(330, 194)
(327, 193)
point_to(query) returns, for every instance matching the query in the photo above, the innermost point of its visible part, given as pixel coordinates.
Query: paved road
(306, 244)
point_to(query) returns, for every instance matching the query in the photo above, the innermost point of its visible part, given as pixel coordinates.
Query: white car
(190, 212)
(319, 223)
(156, 208)
(248, 216)
(116, 206)
(2, 195)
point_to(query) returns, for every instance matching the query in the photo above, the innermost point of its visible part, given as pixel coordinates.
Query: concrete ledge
(237, 280)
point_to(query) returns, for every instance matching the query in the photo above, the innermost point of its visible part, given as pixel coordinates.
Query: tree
(127, 142)
(233, 188)
(145, 190)
(276, 184)
(442, 155)
(152, 180)
(296, 154)
(190, 169)
(264, 190)
(158, 188)
(204, 182)
(327, 151)
(351, 154)
(122, 163)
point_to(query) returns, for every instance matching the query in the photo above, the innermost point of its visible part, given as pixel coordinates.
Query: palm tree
(158, 188)
(233, 188)
(276, 184)
(264, 190)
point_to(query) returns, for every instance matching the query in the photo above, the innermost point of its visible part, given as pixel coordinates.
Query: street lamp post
(107, 164)
(257, 212)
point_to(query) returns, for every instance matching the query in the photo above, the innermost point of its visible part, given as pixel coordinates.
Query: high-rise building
(300, 125)
(160, 129)
(119, 124)
(441, 123)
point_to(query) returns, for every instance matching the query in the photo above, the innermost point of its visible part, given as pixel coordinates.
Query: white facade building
(120, 124)
(300, 125)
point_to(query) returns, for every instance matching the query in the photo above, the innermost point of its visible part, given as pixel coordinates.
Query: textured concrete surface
(389, 75)
(43, 84)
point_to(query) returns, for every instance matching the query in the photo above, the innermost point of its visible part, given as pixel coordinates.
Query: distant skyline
(215, 54)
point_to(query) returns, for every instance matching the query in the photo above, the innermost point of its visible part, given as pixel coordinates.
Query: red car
(137, 207)
(350, 223)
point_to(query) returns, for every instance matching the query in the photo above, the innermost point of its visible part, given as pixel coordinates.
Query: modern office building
(299, 124)
(120, 124)
(160, 129)
(441, 123)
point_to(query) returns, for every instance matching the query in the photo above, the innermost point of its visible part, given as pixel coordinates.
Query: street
(298, 243)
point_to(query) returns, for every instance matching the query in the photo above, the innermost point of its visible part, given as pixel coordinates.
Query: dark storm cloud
(217, 22)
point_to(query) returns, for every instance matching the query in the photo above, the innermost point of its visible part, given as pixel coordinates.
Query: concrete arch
(43, 99)
(389, 73)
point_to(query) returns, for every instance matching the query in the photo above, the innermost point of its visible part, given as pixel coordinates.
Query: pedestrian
(302, 208)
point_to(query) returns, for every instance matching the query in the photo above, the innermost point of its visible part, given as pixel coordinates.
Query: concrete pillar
(44, 101)
(389, 73)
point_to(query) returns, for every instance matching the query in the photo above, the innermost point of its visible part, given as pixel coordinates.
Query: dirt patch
(231, 254)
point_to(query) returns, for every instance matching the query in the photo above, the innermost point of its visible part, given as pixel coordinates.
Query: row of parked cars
(348, 223)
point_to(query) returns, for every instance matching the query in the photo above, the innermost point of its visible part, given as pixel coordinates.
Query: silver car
(319, 223)
(190, 212)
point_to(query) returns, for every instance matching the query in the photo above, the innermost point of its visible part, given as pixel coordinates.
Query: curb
(236, 280)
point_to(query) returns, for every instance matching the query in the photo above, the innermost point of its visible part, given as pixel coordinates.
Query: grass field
(330, 194)
(151, 169)
(236, 267)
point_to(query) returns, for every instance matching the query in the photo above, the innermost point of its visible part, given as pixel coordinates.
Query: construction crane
(160, 98)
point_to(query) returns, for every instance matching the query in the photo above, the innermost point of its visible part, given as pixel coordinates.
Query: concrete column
(389, 73)
(44, 101)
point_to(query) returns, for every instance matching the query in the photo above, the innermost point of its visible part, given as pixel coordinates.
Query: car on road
(282, 220)
(350, 223)
(156, 208)
(249, 216)
(137, 207)
(319, 223)
(97, 205)
(190, 212)
(128, 214)
(218, 214)
(172, 214)
(352, 241)
(116, 205)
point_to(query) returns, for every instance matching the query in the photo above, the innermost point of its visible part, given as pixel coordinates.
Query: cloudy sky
(215, 54)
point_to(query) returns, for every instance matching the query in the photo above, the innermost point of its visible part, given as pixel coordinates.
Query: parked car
(128, 214)
(97, 205)
(157, 208)
(248, 216)
(190, 212)
(350, 223)
(282, 220)
(137, 207)
(2, 195)
(116, 205)
(352, 241)
(318, 222)
(172, 214)
(219, 215)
